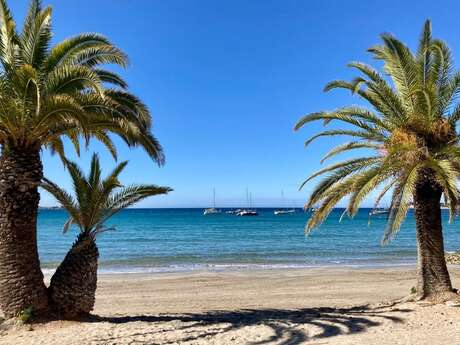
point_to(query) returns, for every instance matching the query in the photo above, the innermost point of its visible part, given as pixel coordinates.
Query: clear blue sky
(227, 80)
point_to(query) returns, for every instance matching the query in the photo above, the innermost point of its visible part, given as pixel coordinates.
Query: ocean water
(163, 240)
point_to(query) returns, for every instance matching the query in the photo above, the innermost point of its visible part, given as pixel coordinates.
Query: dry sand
(315, 306)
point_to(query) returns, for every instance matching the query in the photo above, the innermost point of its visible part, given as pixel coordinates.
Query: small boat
(212, 210)
(283, 211)
(232, 211)
(247, 213)
(379, 211)
(278, 212)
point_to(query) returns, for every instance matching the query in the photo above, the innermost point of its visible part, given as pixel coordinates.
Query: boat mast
(247, 197)
(214, 197)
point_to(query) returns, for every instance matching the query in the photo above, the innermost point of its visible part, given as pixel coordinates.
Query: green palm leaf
(67, 90)
(95, 199)
(409, 135)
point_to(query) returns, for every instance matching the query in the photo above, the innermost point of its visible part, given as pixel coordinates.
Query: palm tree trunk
(73, 287)
(433, 278)
(21, 279)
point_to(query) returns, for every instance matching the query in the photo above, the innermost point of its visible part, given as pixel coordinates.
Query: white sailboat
(277, 212)
(213, 209)
(233, 211)
(248, 212)
(285, 210)
(378, 211)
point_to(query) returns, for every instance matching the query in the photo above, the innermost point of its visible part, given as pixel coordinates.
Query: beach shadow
(287, 326)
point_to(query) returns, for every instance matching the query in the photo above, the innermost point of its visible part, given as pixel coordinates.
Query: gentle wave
(234, 267)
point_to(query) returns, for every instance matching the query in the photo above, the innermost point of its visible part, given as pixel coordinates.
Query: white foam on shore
(221, 267)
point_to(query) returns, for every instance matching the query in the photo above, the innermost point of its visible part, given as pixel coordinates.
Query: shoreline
(237, 267)
(305, 271)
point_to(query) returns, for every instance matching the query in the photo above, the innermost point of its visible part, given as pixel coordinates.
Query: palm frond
(353, 145)
(63, 52)
(402, 203)
(350, 165)
(8, 37)
(130, 195)
(97, 199)
(65, 199)
(365, 135)
(48, 92)
(36, 35)
(410, 127)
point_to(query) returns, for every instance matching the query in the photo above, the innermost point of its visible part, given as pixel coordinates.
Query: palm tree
(73, 286)
(408, 146)
(48, 94)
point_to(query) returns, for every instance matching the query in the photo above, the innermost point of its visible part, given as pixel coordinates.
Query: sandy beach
(314, 306)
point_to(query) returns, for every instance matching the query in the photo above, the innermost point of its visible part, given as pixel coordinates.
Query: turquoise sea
(163, 240)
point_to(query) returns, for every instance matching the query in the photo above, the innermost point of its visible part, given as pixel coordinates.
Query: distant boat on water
(278, 212)
(233, 211)
(51, 208)
(212, 210)
(283, 211)
(248, 212)
(378, 211)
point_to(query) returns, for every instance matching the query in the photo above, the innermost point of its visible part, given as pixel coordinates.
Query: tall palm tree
(94, 200)
(408, 146)
(48, 94)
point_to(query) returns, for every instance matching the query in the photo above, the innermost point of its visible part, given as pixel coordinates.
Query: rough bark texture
(433, 278)
(21, 279)
(73, 287)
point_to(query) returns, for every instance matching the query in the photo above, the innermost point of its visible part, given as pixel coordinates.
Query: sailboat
(233, 211)
(277, 212)
(213, 209)
(283, 211)
(378, 211)
(248, 212)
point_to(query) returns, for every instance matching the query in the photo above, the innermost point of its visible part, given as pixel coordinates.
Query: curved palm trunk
(21, 279)
(433, 278)
(73, 287)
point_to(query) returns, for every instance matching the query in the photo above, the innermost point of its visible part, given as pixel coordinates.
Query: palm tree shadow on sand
(288, 326)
